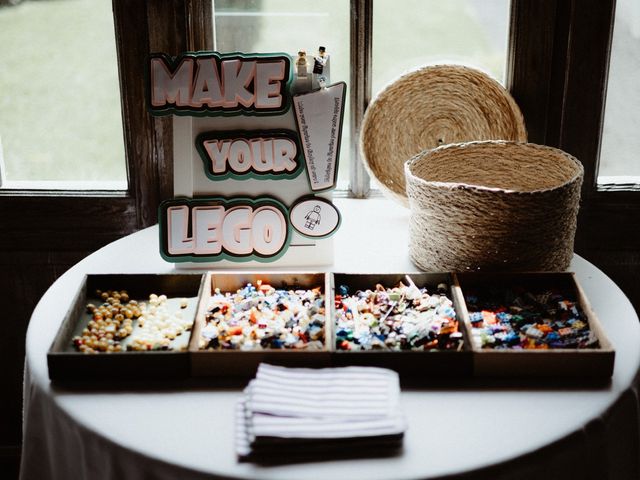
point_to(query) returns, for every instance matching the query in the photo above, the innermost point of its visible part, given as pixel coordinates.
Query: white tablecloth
(475, 432)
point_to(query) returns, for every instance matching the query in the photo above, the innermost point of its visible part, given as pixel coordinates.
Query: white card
(319, 115)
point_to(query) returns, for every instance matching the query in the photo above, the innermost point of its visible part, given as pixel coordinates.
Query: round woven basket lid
(430, 107)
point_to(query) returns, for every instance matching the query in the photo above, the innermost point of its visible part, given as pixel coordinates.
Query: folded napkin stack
(347, 412)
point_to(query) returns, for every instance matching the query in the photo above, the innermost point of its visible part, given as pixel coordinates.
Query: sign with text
(240, 228)
(217, 84)
(253, 175)
(242, 154)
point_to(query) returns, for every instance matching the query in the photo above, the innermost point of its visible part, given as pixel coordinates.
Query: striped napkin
(330, 409)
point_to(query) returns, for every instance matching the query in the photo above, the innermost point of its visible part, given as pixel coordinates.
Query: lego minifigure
(301, 64)
(321, 67)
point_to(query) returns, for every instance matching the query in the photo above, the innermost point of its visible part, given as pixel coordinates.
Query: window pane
(414, 33)
(621, 140)
(290, 26)
(60, 120)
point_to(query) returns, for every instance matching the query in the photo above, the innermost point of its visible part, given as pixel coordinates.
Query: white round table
(480, 431)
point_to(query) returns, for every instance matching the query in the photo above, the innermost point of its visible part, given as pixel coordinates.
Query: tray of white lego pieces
(127, 327)
(408, 322)
(533, 325)
(247, 318)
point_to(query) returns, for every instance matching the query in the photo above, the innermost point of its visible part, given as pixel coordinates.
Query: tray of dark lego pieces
(533, 325)
(244, 319)
(127, 327)
(406, 322)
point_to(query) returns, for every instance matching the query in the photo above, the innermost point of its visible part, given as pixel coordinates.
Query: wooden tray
(586, 362)
(411, 365)
(67, 364)
(237, 363)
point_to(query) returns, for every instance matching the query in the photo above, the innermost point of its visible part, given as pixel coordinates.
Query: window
(61, 122)
(81, 219)
(365, 42)
(619, 167)
(430, 32)
(425, 32)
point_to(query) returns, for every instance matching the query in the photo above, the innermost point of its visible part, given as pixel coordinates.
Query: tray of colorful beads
(533, 325)
(407, 322)
(247, 318)
(127, 327)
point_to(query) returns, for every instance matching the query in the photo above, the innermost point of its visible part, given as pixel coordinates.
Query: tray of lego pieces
(533, 325)
(127, 327)
(244, 319)
(407, 322)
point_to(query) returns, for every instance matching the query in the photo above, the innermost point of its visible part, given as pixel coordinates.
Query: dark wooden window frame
(558, 67)
(558, 71)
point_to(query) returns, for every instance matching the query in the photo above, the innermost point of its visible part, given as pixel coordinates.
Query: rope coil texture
(493, 205)
(430, 107)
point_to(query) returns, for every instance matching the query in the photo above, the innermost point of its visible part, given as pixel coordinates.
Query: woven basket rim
(373, 109)
(482, 188)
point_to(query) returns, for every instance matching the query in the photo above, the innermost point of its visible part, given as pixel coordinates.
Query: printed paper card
(319, 117)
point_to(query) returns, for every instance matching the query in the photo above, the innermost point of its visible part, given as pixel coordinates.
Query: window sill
(373, 237)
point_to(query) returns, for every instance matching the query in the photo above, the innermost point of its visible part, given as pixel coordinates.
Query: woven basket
(494, 206)
(431, 107)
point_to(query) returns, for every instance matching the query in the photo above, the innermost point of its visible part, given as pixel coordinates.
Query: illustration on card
(315, 217)
(211, 83)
